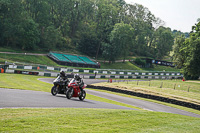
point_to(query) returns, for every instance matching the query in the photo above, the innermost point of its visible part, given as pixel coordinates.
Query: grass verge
(34, 59)
(94, 120)
(119, 65)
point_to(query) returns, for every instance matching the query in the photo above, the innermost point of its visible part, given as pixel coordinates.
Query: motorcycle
(60, 86)
(75, 91)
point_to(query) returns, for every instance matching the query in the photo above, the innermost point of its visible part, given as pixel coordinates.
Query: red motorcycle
(75, 91)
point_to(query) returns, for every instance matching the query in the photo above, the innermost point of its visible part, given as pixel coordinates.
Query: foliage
(193, 59)
(91, 26)
(163, 42)
(178, 55)
(121, 38)
(88, 44)
(179, 33)
(51, 38)
(186, 53)
(28, 35)
(120, 41)
(141, 62)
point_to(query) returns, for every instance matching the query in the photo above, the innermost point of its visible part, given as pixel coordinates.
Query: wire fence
(168, 84)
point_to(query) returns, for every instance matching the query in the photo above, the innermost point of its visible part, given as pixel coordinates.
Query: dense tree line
(106, 28)
(187, 53)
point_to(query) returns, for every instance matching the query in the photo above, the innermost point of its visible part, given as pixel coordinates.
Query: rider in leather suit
(79, 81)
(63, 76)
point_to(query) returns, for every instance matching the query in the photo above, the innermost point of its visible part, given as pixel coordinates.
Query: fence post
(161, 85)
(137, 82)
(189, 89)
(174, 86)
(149, 82)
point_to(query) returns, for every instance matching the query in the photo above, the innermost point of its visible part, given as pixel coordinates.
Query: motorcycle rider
(79, 81)
(63, 76)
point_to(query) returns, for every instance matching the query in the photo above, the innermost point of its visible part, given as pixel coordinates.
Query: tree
(109, 52)
(82, 23)
(187, 55)
(121, 38)
(106, 16)
(39, 11)
(191, 66)
(11, 13)
(50, 38)
(163, 42)
(142, 20)
(179, 51)
(88, 44)
(198, 20)
(28, 35)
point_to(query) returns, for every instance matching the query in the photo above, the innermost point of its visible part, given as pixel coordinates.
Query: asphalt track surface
(13, 98)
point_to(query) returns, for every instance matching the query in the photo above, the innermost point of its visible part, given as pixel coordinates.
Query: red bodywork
(75, 87)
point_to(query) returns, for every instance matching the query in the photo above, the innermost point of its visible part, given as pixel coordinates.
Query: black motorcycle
(60, 86)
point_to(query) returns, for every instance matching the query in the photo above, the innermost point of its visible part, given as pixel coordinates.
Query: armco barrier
(53, 74)
(104, 72)
(139, 94)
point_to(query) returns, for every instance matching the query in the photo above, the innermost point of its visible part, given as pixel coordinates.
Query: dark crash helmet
(62, 73)
(76, 76)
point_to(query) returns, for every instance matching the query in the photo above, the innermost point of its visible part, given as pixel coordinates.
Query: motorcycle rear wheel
(69, 93)
(82, 96)
(54, 90)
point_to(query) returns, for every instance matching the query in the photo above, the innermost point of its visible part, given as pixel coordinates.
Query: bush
(190, 77)
(141, 62)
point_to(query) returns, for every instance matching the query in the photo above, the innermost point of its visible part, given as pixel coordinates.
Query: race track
(13, 98)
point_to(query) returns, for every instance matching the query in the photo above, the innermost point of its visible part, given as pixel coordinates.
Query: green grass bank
(94, 120)
(44, 60)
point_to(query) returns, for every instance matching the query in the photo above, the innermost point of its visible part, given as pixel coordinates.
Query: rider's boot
(81, 90)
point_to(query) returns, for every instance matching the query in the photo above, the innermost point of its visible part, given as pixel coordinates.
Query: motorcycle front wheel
(69, 93)
(54, 90)
(82, 96)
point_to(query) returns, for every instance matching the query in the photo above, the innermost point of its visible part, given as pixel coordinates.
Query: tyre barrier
(148, 96)
(26, 72)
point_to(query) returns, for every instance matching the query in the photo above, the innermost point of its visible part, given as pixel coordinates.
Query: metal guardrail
(105, 72)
